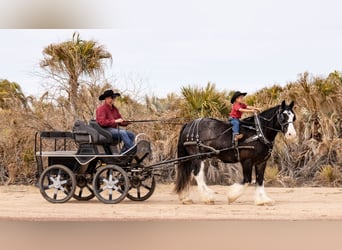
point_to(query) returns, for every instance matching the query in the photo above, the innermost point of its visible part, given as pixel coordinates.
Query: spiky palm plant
(204, 102)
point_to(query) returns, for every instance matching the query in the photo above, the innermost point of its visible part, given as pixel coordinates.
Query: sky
(163, 45)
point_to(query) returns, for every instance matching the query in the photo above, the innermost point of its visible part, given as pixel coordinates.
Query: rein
(176, 121)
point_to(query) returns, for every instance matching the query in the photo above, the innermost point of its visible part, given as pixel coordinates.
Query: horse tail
(183, 169)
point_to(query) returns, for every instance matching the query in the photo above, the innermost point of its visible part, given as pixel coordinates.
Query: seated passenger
(109, 117)
(238, 108)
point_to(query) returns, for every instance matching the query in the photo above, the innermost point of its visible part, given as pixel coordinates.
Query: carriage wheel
(141, 187)
(110, 184)
(84, 190)
(57, 184)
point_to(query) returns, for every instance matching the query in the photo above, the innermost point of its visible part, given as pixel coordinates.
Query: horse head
(286, 117)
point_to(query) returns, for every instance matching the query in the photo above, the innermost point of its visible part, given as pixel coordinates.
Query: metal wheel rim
(114, 183)
(57, 179)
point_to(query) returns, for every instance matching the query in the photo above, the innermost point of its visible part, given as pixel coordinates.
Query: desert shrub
(329, 175)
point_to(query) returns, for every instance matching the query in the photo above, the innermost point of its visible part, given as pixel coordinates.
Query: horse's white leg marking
(261, 197)
(235, 191)
(206, 193)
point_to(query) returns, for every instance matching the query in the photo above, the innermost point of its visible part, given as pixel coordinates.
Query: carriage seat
(104, 132)
(84, 133)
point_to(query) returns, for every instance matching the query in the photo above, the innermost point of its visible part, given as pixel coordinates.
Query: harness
(192, 137)
(259, 134)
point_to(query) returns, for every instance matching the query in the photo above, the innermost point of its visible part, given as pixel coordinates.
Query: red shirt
(107, 114)
(235, 113)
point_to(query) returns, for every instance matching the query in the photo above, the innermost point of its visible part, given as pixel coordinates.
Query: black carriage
(87, 162)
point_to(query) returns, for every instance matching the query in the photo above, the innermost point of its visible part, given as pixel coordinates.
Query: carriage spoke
(138, 192)
(115, 186)
(80, 192)
(145, 186)
(55, 194)
(110, 194)
(59, 174)
(64, 182)
(110, 175)
(90, 189)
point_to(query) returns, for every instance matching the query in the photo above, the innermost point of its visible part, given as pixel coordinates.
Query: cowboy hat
(108, 93)
(236, 95)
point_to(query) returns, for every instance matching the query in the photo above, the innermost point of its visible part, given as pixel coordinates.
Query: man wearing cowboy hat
(238, 108)
(109, 117)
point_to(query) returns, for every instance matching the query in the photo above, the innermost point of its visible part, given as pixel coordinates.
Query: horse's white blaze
(261, 198)
(235, 191)
(206, 193)
(291, 132)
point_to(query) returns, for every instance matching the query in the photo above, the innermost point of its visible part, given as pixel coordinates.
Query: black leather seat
(104, 133)
(84, 133)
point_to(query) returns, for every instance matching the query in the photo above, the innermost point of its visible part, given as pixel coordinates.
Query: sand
(25, 203)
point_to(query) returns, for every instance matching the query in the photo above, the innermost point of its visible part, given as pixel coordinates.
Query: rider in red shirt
(238, 108)
(109, 117)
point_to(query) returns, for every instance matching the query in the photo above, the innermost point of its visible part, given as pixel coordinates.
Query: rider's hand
(119, 120)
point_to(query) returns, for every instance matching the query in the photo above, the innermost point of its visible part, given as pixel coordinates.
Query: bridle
(280, 120)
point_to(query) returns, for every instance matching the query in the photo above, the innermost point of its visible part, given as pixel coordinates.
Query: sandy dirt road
(302, 218)
(26, 203)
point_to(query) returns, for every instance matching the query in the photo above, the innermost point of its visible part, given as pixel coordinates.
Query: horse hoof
(231, 199)
(265, 203)
(209, 202)
(187, 202)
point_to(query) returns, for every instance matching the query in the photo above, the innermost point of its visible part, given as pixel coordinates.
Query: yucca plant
(204, 102)
(329, 175)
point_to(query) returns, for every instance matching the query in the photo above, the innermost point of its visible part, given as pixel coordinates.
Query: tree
(11, 94)
(68, 61)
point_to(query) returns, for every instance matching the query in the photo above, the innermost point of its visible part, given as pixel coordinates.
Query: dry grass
(329, 175)
(314, 159)
(272, 175)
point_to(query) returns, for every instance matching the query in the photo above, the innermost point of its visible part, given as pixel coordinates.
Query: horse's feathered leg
(206, 193)
(261, 197)
(236, 190)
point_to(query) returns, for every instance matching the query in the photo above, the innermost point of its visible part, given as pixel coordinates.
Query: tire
(57, 183)
(110, 184)
(141, 187)
(84, 189)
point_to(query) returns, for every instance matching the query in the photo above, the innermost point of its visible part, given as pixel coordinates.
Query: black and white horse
(253, 150)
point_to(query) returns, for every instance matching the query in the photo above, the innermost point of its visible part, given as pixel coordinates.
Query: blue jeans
(236, 125)
(126, 136)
